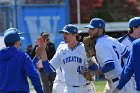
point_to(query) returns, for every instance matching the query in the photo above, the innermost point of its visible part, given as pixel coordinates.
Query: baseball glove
(89, 44)
(86, 74)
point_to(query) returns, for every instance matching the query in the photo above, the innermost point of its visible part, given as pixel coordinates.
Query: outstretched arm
(42, 49)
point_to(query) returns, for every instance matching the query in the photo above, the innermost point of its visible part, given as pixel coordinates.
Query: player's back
(108, 50)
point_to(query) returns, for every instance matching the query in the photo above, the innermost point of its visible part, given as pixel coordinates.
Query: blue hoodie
(15, 67)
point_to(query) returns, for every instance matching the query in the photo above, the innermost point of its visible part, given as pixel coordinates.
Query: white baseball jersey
(128, 43)
(71, 62)
(108, 50)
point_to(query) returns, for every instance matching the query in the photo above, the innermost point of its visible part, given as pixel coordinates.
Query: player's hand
(41, 49)
(41, 43)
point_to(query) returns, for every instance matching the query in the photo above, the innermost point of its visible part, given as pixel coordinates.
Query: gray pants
(47, 80)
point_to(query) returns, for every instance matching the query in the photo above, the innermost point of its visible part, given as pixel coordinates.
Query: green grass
(99, 85)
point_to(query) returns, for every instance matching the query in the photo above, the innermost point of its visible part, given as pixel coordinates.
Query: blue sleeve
(35, 60)
(48, 68)
(93, 67)
(108, 67)
(32, 73)
(126, 73)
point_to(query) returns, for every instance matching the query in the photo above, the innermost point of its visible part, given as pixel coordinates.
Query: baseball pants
(58, 87)
(110, 86)
(80, 89)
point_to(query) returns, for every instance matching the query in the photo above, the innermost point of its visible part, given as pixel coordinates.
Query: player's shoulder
(62, 45)
(103, 40)
(62, 42)
(101, 44)
(112, 38)
(80, 44)
(79, 47)
(121, 39)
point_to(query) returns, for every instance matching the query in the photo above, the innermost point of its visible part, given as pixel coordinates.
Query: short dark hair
(103, 30)
(131, 29)
(44, 34)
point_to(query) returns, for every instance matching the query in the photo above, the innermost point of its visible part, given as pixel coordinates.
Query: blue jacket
(15, 67)
(132, 66)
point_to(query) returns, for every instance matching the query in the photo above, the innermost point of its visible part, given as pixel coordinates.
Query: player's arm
(32, 73)
(41, 51)
(45, 62)
(108, 67)
(38, 53)
(128, 68)
(54, 63)
(126, 74)
(94, 67)
(92, 64)
(105, 55)
(35, 60)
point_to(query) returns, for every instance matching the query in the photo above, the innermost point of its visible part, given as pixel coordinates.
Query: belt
(82, 85)
(115, 79)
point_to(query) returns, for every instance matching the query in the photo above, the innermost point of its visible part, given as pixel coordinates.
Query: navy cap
(135, 21)
(12, 35)
(69, 29)
(96, 23)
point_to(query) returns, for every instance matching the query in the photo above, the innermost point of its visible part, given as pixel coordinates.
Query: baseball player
(72, 59)
(108, 54)
(127, 40)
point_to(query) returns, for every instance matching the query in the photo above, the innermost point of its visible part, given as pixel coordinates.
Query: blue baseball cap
(70, 29)
(96, 23)
(135, 21)
(12, 35)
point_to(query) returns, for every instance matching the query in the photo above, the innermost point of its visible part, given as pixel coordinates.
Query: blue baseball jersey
(109, 50)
